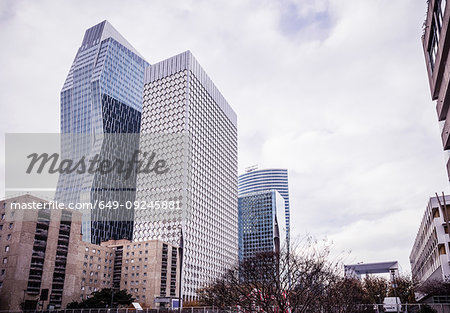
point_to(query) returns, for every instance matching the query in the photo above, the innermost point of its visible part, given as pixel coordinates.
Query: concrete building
(45, 263)
(261, 218)
(187, 121)
(436, 41)
(36, 253)
(430, 255)
(148, 270)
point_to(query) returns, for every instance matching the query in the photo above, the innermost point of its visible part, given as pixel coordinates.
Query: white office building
(188, 123)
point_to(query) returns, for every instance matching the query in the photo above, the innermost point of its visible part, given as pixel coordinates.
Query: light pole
(180, 253)
(394, 285)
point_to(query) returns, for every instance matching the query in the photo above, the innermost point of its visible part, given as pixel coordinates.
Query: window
(11, 225)
(3, 216)
(8, 237)
(5, 260)
(3, 271)
(1, 227)
(6, 248)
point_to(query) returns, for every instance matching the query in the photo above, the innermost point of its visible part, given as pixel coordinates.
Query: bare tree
(375, 289)
(405, 287)
(300, 281)
(435, 287)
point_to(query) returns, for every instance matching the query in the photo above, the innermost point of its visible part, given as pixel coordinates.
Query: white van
(390, 304)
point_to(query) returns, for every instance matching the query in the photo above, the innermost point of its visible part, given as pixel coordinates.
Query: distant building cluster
(117, 106)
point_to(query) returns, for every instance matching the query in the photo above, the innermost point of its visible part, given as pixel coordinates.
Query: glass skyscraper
(267, 179)
(188, 122)
(260, 213)
(102, 95)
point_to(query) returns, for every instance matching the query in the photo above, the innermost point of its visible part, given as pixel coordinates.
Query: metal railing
(361, 308)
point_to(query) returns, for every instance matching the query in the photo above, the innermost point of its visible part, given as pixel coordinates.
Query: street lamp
(180, 253)
(394, 285)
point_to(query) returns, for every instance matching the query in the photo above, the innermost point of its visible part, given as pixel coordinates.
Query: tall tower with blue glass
(101, 98)
(267, 179)
(261, 218)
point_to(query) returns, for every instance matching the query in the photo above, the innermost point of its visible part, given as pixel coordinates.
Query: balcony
(40, 243)
(446, 134)
(38, 254)
(41, 232)
(35, 278)
(36, 265)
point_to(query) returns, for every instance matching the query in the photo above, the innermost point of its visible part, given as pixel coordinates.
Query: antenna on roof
(251, 168)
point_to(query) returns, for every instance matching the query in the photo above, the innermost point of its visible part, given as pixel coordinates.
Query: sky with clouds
(334, 90)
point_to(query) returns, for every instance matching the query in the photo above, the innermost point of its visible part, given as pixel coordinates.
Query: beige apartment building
(45, 264)
(430, 257)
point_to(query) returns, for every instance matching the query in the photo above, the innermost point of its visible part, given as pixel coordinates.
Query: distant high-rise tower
(436, 41)
(261, 218)
(190, 125)
(102, 95)
(262, 180)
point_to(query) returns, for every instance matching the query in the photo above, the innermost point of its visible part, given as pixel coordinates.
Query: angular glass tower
(267, 179)
(261, 217)
(188, 122)
(102, 95)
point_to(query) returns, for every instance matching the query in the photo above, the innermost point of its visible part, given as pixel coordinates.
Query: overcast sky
(336, 91)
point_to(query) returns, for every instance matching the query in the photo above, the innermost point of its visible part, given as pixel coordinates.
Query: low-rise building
(430, 257)
(45, 263)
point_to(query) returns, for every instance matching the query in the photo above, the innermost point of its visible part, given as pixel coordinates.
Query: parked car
(390, 304)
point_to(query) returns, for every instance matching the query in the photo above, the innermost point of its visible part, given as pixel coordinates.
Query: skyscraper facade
(436, 41)
(261, 218)
(189, 124)
(102, 95)
(267, 179)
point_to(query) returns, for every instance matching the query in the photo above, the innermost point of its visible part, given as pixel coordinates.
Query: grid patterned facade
(259, 214)
(195, 128)
(430, 255)
(267, 179)
(102, 95)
